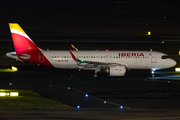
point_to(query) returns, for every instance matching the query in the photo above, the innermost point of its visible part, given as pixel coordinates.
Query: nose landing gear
(152, 72)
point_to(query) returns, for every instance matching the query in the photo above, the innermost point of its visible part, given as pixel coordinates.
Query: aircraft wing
(83, 64)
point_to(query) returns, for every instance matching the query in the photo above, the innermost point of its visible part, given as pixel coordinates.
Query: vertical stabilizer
(22, 42)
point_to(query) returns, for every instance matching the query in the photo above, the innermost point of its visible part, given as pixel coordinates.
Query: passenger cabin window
(164, 57)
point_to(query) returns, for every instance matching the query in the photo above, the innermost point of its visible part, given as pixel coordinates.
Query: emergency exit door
(153, 57)
(41, 57)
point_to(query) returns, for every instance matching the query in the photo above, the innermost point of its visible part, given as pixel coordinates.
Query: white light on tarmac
(177, 69)
(14, 94)
(14, 68)
(2, 94)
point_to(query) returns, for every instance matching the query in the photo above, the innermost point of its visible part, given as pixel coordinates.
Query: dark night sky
(67, 17)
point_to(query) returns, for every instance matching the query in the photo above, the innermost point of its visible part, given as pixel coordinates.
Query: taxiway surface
(140, 95)
(138, 89)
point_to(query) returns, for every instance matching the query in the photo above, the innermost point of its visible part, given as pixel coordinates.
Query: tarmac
(139, 95)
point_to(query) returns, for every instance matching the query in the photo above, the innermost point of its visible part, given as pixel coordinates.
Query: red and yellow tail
(22, 42)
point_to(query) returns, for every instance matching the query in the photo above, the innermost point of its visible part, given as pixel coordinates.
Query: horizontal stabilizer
(15, 56)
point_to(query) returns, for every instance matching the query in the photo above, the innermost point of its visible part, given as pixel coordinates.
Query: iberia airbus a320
(114, 62)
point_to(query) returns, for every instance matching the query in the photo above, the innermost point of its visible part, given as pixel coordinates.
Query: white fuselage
(131, 59)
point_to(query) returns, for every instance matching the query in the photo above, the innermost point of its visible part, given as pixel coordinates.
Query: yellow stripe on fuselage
(16, 27)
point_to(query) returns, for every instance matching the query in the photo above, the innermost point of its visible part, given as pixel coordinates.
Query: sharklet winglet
(74, 48)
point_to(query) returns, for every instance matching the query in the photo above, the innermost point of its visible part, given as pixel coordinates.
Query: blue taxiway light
(121, 106)
(69, 88)
(10, 83)
(104, 101)
(86, 95)
(78, 107)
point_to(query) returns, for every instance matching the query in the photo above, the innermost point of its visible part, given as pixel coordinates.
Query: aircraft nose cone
(173, 62)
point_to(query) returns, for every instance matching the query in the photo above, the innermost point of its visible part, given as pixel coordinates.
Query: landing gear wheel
(95, 75)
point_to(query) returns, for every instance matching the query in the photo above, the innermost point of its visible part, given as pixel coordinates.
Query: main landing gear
(97, 69)
(95, 75)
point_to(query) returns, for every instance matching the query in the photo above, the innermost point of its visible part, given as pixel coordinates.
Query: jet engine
(116, 70)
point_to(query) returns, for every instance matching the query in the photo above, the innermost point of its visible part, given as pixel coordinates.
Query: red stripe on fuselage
(35, 57)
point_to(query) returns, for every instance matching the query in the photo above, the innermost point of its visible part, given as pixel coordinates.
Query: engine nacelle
(117, 70)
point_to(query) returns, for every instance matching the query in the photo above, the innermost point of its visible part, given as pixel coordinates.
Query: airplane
(115, 63)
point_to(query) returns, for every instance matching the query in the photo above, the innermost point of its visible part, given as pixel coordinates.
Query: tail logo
(22, 42)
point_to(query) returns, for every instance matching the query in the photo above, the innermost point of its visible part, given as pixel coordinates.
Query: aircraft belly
(139, 65)
(65, 65)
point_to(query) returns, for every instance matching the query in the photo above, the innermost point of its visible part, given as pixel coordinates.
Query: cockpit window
(164, 57)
